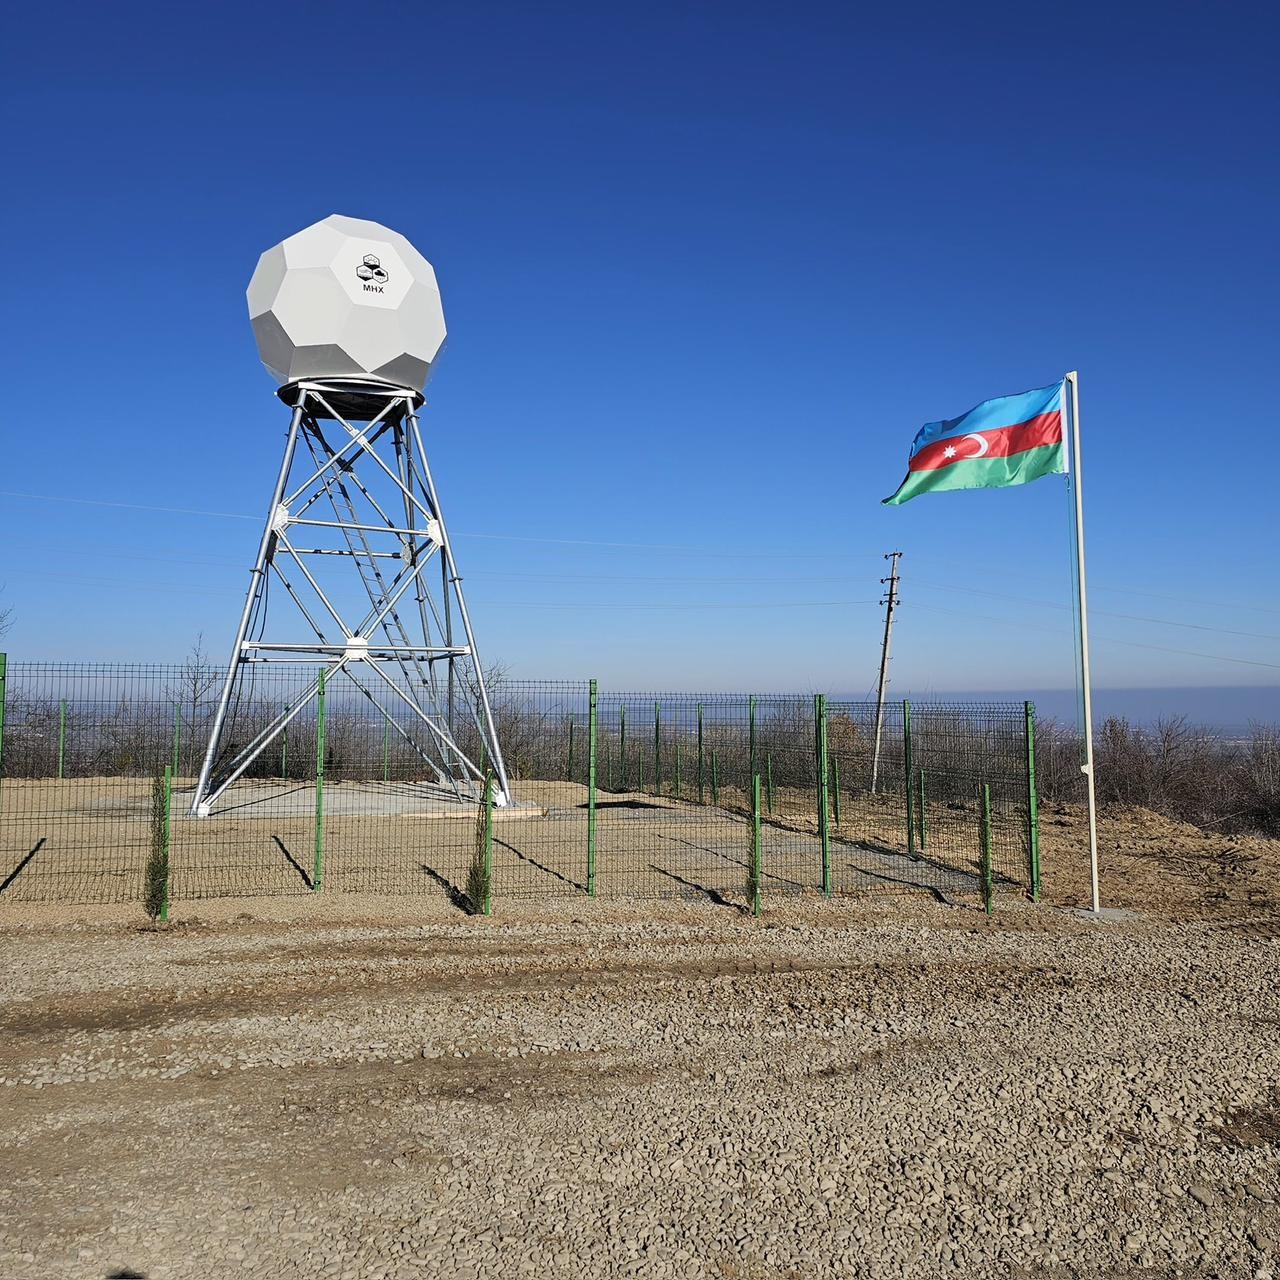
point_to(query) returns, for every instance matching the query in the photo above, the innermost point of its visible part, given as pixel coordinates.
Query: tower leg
(499, 765)
(352, 522)
(266, 549)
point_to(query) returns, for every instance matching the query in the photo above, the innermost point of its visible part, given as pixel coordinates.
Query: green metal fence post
(987, 872)
(177, 735)
(568, 773)
(657, 749)
(1033, 805)
(168, 866)
(62, 738)
(751, 731)
(755, 844)
(906, 764)
(317, 874)
(591, 788)
(4, 686)
(715, 778)
(701, 795)
(923, 821)
(487, 905)
(824, 831)
(835, 785)
(622, 748)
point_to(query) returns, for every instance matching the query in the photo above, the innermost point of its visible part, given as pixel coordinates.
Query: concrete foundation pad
(274, 799)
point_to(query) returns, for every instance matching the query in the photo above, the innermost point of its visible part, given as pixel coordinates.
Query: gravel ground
(897, 1088)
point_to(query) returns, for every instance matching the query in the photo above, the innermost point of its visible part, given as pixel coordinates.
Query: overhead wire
(666, 579)
(126, 506)
(669, 580)
(1105, 639)
(713, 604)
(753, 554)
(1102, 613)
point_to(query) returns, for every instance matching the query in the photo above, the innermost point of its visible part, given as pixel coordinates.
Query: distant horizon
(1212, 706)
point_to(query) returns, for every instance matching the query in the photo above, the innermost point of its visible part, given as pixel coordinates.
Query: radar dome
(346, 298)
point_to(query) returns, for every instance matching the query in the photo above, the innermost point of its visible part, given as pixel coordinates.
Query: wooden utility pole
(890, 602)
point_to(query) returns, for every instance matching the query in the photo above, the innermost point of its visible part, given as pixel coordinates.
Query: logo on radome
(372, 273)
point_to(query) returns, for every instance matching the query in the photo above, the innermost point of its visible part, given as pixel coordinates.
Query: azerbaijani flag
(1005, 441)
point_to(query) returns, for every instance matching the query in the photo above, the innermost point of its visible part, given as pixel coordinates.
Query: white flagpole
(1072, 380)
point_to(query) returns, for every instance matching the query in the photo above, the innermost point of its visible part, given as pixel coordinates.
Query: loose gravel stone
(845, 1090)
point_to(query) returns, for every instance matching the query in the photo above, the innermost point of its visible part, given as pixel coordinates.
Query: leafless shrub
(1173, 767)
(1256, 782)
(1059, 752)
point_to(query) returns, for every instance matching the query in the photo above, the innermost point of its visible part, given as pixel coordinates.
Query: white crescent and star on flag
(981, 441)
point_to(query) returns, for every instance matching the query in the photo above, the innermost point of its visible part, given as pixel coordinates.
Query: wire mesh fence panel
(260, 837)
(675, 813)
(398, 814)
(385, 810)
(81, 747)
(786, 760)
(957, 751)
(540, 840)
(658, 754)
(337, 794)
(921, 826)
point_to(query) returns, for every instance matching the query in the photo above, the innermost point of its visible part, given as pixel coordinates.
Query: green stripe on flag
(984, 473)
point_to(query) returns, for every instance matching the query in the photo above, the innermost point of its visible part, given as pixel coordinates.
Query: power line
(984, 617)
(1190, 626)
(232, 562)
(752, 554)
(188, 588)
(116, 553)
(629, 604)
(673, 546)
(1192, 653)
(1205, 604)
(707, 551)
(1130, 591)
(666, 579)
(1105, 613)
(1131, 644)
(185, 588)
(127, 506)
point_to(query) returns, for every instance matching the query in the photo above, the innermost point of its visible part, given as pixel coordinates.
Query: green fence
(736, 798)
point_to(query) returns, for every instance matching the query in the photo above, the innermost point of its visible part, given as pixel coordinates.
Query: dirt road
(900, 1088)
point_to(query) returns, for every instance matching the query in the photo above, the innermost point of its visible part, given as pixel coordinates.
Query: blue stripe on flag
(1003, 411)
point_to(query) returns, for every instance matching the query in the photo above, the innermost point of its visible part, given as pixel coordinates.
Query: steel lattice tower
(354, 536)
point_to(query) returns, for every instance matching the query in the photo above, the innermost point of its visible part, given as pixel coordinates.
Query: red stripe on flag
(1045, 428)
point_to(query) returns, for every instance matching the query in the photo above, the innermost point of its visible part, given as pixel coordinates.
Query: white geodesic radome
(347, 298)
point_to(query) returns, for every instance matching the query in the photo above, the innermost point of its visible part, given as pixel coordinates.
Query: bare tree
(197, 677)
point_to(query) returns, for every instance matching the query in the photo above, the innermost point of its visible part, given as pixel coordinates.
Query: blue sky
(706, 271)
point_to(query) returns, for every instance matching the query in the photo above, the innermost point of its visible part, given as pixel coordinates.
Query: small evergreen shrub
(156, 875)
